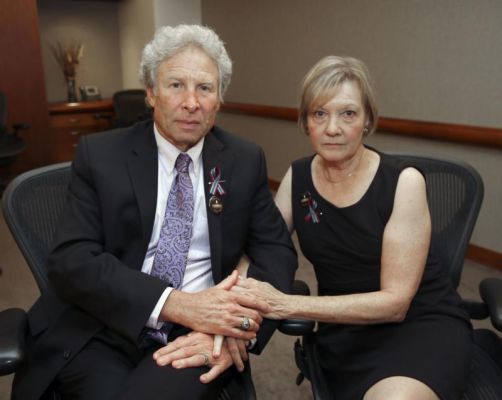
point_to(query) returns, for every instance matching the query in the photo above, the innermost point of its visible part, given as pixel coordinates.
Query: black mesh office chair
(455, 192)
(31, 205)
(10, 143)
(130, 107)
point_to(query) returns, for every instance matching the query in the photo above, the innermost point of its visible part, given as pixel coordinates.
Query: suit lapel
(214, 155)
(143, 170)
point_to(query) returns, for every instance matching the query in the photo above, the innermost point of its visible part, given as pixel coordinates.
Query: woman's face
(336, 127)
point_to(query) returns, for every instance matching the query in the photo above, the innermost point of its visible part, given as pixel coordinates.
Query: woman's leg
(400, 387)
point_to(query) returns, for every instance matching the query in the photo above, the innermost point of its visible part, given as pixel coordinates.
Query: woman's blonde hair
(324, 79)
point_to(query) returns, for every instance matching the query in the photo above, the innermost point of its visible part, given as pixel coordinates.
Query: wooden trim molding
(258, 110)
(466, 134)
(273, 184)
(484, 256)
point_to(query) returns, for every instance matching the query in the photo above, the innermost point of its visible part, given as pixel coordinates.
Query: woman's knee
(399, 388)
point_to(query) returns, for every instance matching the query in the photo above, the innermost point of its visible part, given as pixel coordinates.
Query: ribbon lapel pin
(216, 190)
(307, 201)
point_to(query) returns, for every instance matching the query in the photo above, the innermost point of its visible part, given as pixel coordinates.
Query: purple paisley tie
(170, 258)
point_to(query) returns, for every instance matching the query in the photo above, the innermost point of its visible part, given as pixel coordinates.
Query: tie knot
(182, 163)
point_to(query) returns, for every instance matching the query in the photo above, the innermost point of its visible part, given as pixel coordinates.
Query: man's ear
(150, 97)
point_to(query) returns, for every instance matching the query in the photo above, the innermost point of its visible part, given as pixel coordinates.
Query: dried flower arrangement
(68, 57)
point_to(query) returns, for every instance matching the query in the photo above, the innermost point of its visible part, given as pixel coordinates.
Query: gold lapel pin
(216, 205)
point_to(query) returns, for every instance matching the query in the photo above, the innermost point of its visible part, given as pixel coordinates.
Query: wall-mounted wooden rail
(467, 134)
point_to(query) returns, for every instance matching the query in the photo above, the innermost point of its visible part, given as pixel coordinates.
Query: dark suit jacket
(100, 245)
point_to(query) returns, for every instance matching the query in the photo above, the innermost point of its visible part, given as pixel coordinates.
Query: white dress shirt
(198, 275)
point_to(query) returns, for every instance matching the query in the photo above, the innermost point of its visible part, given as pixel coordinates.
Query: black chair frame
(130, 107)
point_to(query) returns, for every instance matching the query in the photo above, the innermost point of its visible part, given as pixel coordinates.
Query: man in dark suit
(99, 331)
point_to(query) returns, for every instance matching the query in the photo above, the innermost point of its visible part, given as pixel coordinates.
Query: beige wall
(94, 24)
(114, 33)
(174, 12)
(136, 28)
(430, 60)
(138, 20)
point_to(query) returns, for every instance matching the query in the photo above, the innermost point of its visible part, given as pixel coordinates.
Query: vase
(71, 90)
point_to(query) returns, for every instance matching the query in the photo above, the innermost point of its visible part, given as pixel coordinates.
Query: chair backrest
(130, 107)
(32, 204)
(455, 193)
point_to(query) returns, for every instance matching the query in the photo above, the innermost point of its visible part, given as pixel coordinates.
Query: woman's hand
(263, 291)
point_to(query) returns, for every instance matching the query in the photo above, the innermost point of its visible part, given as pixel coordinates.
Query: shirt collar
(170, 152)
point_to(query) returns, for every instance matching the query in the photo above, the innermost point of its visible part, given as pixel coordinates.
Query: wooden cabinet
(69, 121)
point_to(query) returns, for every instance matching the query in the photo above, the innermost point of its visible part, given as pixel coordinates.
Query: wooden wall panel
(22, 80)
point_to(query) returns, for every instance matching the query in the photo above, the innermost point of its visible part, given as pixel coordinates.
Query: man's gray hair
(169, 41)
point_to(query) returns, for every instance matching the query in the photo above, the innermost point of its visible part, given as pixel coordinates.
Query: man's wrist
(171, 307)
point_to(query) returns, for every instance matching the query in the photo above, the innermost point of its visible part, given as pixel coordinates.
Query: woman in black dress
(390, 324)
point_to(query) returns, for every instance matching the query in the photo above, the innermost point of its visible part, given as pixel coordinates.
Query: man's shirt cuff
(153, 320)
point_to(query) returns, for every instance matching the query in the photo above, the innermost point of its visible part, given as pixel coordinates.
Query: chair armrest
(297, 327)
(490, 290)
(476, 309)
(13, 328)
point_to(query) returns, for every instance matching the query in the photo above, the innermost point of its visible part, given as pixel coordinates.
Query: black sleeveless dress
(432, 344)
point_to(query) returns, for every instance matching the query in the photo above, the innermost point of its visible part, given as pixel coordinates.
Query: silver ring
(206, 359)
(245, 324)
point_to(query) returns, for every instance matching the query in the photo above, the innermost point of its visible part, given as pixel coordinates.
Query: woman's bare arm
(405, 247)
